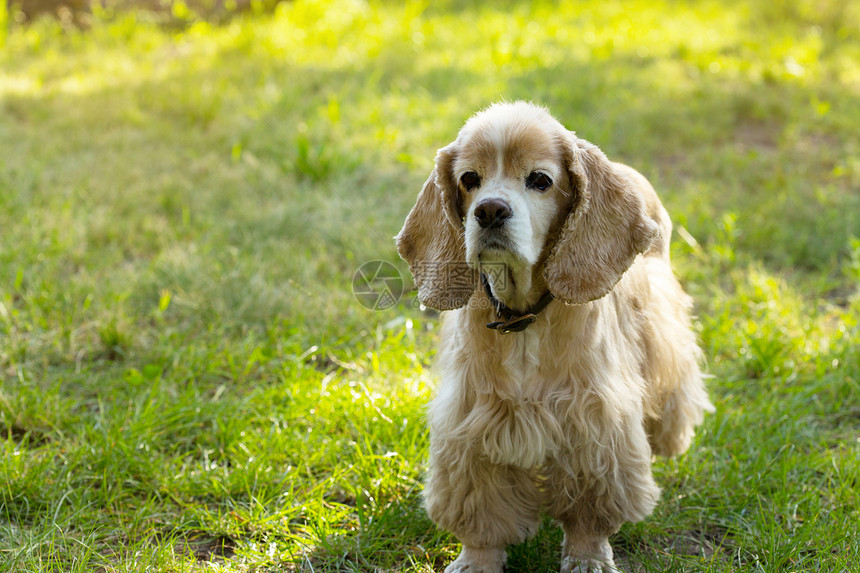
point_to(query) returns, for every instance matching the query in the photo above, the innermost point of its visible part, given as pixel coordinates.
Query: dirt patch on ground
(686, 550)
(77, 11)
(206, 548)
(757, 136)
(19, 433)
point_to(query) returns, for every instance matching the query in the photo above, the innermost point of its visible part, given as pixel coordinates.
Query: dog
(568, 359)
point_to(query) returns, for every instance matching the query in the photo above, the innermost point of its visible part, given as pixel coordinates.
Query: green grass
(187, 381)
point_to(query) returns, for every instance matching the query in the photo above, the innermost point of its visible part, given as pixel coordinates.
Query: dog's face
(516, 189)
(513, 192)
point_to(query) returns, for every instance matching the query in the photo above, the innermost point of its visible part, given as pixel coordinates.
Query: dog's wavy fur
(562, 418)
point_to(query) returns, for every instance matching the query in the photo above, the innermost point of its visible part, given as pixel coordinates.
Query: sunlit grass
(187, 381)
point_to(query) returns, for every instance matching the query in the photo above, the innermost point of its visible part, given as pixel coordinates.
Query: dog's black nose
(492, 213)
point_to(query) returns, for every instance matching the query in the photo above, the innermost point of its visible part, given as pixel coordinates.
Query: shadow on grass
(635, 550)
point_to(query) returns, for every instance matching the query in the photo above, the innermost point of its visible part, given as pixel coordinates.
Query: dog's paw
(587, 553)
(473, 560)
(573, 565)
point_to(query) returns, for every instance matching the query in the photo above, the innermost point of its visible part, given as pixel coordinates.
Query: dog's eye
(539, 181)
(470, 180)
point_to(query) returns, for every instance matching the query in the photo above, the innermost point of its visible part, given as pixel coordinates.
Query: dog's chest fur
(517, 423)
(532, 396)
(522, 360)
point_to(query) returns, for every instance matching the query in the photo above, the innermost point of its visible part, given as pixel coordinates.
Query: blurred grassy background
(187, 380)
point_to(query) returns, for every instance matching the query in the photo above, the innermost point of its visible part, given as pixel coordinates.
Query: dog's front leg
(487, 506)
(593, 489)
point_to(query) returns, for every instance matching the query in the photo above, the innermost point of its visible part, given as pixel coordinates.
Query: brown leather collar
(514, 321)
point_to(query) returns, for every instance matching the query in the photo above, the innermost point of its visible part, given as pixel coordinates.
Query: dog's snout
(492, 213)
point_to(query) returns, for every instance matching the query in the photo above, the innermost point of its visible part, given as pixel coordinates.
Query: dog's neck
(518, 288)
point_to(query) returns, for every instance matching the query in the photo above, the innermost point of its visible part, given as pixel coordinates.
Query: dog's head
(516, 189)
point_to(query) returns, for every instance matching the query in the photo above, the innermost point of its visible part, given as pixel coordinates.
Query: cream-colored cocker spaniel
(568, 359)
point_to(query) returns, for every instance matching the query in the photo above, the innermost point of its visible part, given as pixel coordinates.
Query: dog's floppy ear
(604, 232)
(432, 242)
